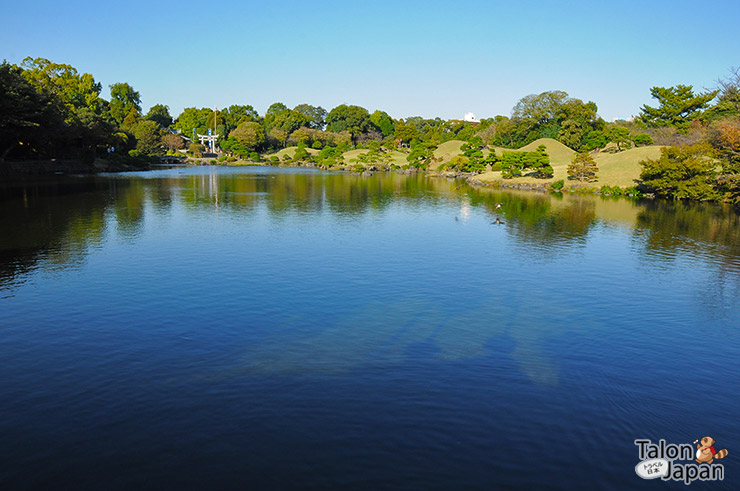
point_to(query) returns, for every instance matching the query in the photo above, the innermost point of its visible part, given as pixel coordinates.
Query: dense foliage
(49, 110)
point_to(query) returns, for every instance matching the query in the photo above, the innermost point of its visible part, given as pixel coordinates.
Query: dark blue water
(264, 328)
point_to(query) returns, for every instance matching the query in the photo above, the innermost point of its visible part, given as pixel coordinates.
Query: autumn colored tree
(172, 141)
(583, 168)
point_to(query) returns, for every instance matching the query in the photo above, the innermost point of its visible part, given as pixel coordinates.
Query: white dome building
(470, 118)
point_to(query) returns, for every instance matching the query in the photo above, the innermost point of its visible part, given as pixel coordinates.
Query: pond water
(287, 328)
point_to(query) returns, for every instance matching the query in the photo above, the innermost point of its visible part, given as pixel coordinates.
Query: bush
(275, 159)
(642, 139)
(300, 154)
(557, 185)
(134, 153)
(632, 192)
(254, 156)
(684, 171)
(611, 190)
(196, 149)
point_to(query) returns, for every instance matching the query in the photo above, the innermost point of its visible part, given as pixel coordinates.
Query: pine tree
(583, 168)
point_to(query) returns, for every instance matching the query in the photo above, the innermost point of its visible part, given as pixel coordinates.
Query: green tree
(148, 137)
(404, 132)
(354, 119)
(160, 114)
(594, 139)
(642, 139)
(191, 119)
(383, 122)
(27, 115)
(583, 168)
(683, 171)
(71, 91)
(236, 114)
(678, 106)
(123, 98)
(544, 116)
(512, 164)
(421, 155)
(619, 135)
(278, 116)
(249, 134)
(539, 162)
(316, 115)
(571, 134)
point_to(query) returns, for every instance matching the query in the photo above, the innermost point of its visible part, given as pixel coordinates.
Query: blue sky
(408, 58)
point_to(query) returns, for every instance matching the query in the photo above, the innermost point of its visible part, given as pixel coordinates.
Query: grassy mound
(289, 151)
(445, 151)
(399, 158)
(559, 153)
(618, 169)
(623, 168)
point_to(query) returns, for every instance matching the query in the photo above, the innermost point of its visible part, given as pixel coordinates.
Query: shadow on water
(58, 220)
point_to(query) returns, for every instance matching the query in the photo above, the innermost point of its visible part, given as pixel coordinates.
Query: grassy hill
(399, 158)
(619, 169)
(615, 169)
(290, 151)
(446, 151)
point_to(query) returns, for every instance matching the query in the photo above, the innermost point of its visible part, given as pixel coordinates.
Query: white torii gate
(209, 140)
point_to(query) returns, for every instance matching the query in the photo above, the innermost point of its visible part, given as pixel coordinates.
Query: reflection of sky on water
(386, 335)
(546, 250)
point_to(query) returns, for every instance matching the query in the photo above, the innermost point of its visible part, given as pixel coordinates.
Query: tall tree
(383, 122)
(66, 86)
(160, 114)
(123, 98)
(678, 106)
(27, 115)
(236, 114)
(191, 119)
(249, 134)
(316, 115)
(354, 119)
(278, 116)
(148, 138)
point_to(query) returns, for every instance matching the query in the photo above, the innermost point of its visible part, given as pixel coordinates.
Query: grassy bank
(615, 169)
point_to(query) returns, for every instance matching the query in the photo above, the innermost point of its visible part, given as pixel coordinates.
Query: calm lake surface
(280, 328)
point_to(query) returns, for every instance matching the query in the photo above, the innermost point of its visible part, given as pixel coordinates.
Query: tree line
(50, 110)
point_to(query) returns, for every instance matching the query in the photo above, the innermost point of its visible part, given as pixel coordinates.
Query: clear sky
(408, 58)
